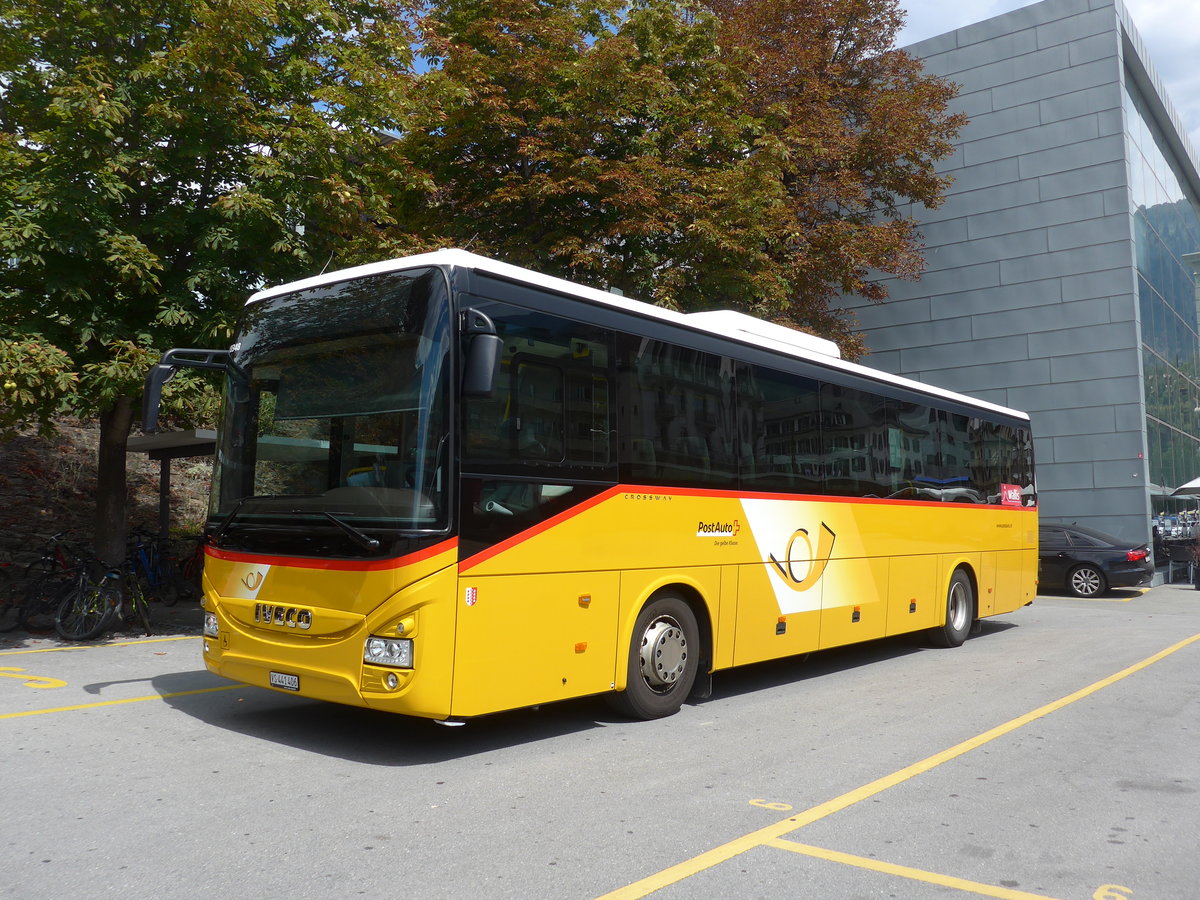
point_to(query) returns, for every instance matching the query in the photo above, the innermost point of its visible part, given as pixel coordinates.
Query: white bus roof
(726, 324)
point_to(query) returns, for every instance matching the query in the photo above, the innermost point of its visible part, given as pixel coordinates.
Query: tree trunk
(111, 519)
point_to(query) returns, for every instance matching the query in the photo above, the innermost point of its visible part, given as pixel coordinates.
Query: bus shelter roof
(166, 446)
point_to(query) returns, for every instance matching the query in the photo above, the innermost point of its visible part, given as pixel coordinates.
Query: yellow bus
(446, 486)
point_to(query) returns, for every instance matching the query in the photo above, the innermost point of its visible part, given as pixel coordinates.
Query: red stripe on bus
(484, 555)
(337, 565)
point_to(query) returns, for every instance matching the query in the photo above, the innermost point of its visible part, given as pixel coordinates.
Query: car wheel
(1086, 581)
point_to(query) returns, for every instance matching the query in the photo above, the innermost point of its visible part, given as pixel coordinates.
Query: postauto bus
(446, 486)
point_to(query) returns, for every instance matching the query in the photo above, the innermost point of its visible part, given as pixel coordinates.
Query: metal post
(164, 497)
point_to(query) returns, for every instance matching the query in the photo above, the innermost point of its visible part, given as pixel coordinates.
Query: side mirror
(152, 395)
(161, 373)
(484, 349)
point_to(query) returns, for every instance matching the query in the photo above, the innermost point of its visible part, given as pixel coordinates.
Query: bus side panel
(726, 623)
(1014, 580)
(913, 597)
(986, 583)
(854, 601)
(530, 639)
(763, 631)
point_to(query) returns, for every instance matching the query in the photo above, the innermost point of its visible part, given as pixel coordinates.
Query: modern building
(1061, 268)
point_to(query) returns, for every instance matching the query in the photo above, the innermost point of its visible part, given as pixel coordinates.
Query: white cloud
(1170, 30)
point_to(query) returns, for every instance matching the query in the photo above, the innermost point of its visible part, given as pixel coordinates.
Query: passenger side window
(779, 430)
(677, 421)
(551, 406)
(859, 461)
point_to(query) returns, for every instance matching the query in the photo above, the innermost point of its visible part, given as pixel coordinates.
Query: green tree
(595, 139)
(852, 129)
(158, 161)
(753, 155)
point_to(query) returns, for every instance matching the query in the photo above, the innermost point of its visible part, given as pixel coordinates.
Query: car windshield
(333, 433)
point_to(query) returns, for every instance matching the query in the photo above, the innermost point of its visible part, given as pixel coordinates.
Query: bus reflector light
(381, 651)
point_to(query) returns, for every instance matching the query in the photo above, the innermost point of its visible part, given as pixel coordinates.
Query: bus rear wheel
(664, 657)
(960, 612)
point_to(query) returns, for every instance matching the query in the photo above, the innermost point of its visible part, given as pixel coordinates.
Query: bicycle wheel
(137, 600)
(169, 580)
(40, 605)
(11, 601)
(85, 610)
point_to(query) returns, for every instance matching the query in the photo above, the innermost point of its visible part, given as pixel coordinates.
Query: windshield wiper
(237, 508)
(363, 540)
(216, 536)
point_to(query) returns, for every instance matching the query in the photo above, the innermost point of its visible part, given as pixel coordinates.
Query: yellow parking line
(59, 709)
(761, 836)
(876, 865)
(78, 647)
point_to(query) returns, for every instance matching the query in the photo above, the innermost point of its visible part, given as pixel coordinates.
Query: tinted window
(1000, 454)
(551, 405)
(676, 415)
(1052, 536)
(911, 434)
(779, 431)
(860, 460)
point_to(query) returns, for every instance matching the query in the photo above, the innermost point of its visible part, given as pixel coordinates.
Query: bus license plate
(287, 682)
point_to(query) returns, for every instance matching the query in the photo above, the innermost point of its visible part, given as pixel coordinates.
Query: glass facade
(1166, 229)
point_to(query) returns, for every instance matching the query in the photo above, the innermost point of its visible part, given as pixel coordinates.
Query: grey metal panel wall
(1029, 298)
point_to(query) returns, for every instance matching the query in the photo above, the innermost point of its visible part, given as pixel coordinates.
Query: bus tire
(664, 656)
(960, 612)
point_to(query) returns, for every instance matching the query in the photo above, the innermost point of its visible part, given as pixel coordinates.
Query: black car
(1087, 562)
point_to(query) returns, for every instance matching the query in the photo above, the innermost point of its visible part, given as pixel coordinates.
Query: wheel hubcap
(664, 653)
(958, 606)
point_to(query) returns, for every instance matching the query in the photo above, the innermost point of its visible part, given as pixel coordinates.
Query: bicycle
(192, 566)
(155, 565)
(132, 602)
(36, 595)
(87, 605)
(9, 609)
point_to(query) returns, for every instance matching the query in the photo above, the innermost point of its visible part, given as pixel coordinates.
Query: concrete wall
(1030, 295)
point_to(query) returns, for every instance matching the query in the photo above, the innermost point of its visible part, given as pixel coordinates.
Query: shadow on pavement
(386, 739)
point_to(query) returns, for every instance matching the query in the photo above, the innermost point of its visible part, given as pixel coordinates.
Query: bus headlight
(394, 652)
(210, 624)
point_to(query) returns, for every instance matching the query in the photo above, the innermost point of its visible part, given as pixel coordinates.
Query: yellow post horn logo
(816, 562)
(253, 580)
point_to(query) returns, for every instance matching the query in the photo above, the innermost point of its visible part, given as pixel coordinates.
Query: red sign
(1010, 495)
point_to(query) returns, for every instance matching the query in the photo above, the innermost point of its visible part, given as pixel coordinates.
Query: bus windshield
(333, 437)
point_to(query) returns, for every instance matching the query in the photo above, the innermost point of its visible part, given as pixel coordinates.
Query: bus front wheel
(960, 612)
(664, 656)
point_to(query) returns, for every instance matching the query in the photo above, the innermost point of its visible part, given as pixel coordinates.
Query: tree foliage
(854, 129)
(754, 154)
(588, 138)
(159, 160)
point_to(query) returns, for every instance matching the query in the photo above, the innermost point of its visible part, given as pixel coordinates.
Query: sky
(1170, 29)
